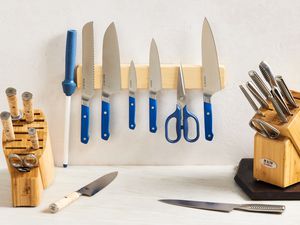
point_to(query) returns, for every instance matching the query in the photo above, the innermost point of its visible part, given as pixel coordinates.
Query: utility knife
(210, 76)
(111, 70)
(132, 90)
(87, 78)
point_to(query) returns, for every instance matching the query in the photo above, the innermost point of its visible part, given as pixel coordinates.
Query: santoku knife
(210, 76)
(226, 207)
(88, 190)
(132, 90)
(111, 70)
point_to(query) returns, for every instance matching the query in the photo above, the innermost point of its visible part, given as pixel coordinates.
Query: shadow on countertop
(5, 189)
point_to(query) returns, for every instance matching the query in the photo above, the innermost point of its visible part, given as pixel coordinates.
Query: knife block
(27, 187)
(277, 161)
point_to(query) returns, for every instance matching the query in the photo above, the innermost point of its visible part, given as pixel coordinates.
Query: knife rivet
(152, 107)
(208, 113)
(105, 135)
(131, 104)
(104, 112)
(84, 116)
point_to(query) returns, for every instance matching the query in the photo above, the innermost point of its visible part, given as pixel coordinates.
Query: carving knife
(69, 87)
(87, 78)
(111, 70)
(226, 207)
(154, 85)
(210, 76)
(88, 190)
(132, 90)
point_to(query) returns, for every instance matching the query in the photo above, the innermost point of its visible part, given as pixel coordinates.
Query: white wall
(32, 45)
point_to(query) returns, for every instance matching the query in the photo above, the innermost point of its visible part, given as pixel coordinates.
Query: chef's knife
(154, 85)
(111, 70)
(210, 76)
(88, 190)
(87, 78)
(132, 90)
(226, 207)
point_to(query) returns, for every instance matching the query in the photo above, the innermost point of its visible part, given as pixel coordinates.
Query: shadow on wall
(5, 190)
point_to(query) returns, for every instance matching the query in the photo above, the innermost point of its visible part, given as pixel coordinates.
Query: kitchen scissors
(181, 115)
(23, 163)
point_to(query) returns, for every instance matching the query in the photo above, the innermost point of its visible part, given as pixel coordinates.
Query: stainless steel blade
(97, 185)
(180, 87)
(87, 61)
(210, 65)
(154, 70)
(111, 67)
(132, 79)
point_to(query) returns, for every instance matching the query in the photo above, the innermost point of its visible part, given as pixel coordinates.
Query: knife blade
(88, 190)
(111, 70)
(154, 85)
(210, 76)
(87, 78)
(132, 90)
(226, 207)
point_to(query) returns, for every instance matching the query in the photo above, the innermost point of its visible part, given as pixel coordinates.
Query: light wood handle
(28, 109)
(62, 203)
(33, 138)
(7, 126)
(13, 102)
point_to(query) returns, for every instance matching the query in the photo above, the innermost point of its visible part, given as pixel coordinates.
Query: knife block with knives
(27, 149)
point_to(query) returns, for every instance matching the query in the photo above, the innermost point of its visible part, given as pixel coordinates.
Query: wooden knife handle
(7, 126)
(28, 109)
(11, 94)
(62, 203)
(33, 138)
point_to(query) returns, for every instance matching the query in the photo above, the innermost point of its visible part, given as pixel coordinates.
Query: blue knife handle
(105, 114)
(131, 112)
(208, 121)
(68, 84)
(85, 117)
(152, 115)
(186, 115)
(177, 116)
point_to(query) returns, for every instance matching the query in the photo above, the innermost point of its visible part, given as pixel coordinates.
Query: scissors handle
(177, 116)
(186, 115)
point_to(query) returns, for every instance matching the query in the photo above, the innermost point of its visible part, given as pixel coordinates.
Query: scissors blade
(180, 86)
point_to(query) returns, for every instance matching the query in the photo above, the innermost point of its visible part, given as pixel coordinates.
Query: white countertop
(132, 198)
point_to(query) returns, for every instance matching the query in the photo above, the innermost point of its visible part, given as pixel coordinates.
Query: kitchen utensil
(88, 190)
(286, 92)
(28, 109)
(211, 76)
(132, 90)
(23, 163)
(251, 87)
(154, 85)
(226, 207)
(111, 75)
(259, 83)
(69, 87)
(87, 79)
(8, 128)
(33, 138)
(278, 108)
(250, 100)
(264, 128)
(181, 115)
(11, 94)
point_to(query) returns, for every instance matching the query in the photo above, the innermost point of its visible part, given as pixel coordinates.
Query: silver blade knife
(250, 100)
(111, 70)
(210, 76)
(226, 207)
(259, 83)
(251, 87)
(87, 78)
(154, 85)
(132, 90)
(88, 190)
(286, 92)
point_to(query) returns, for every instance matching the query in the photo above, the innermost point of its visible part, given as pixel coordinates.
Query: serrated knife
(154, 85)
(132, 90)
(210, 76)
(111, 70)
(87, 78)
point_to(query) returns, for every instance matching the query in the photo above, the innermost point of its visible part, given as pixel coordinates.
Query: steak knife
(210, 76)
(132, 90)
(111, 70)
(87, 78)
(154, 85)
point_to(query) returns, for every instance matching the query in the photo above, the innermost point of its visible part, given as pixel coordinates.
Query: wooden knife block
(27, 187)
(277, 161)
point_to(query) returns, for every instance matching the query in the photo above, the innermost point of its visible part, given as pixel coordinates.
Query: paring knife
(210, 76)
(69, 87)
(88, 190)
(132, 90)
(226, 207)
(111, 70)
(154, 85)
(87, 78)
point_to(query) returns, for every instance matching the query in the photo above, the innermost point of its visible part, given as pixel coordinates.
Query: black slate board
(259, 190)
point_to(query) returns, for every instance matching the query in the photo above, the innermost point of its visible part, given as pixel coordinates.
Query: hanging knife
(88, 190)
(111, 70)
(87, 78)
(250, 100)
(154, 85)
(286, 92)
(210, 76)
(132, 90)
(264, 104)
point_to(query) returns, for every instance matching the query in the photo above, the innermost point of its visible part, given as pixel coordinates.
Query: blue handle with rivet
(105, 115)
(152, 115)
(85, 117)
(131, 112)
(208, 121)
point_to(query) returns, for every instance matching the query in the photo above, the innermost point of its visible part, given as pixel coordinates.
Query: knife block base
(27, 187)
(259, 190)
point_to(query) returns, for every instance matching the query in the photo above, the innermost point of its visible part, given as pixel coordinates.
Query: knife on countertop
(87, 79)
(132, 89)
(111, 70)
(210, 76)
(154, 85)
